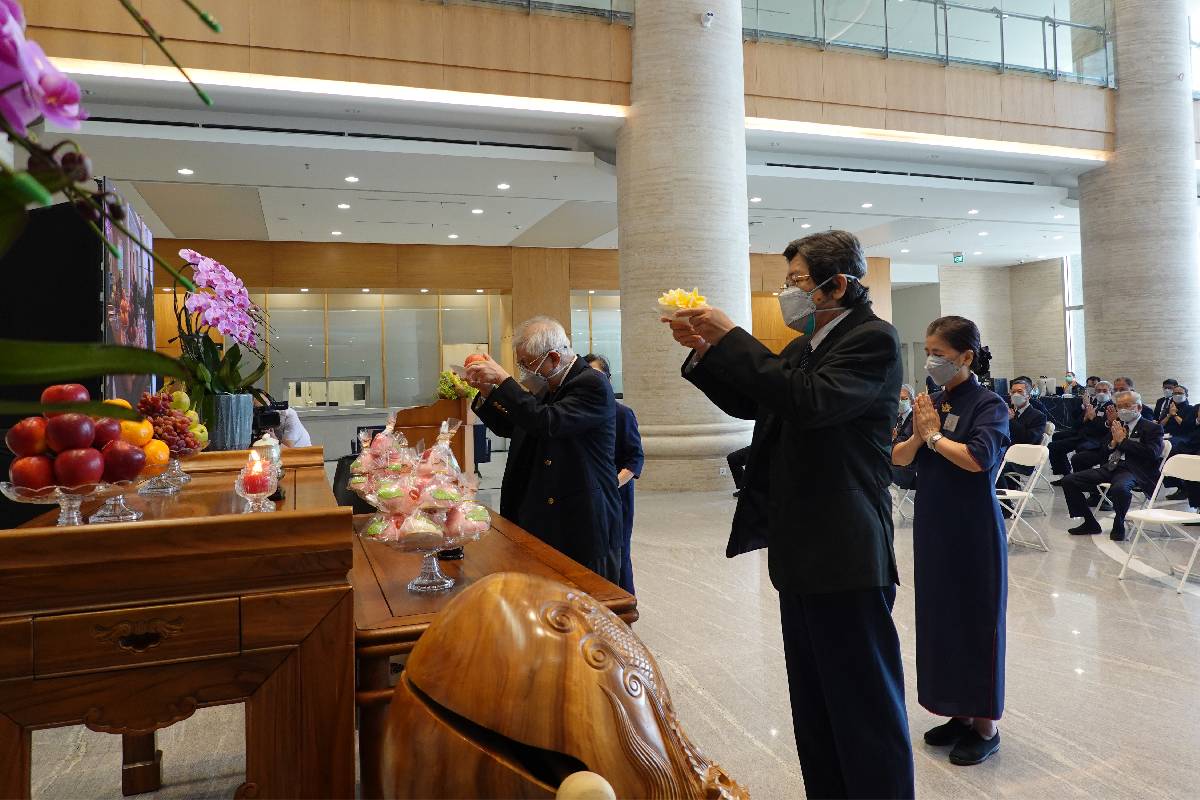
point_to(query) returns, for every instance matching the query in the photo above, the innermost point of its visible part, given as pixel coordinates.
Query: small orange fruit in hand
(157, 453)
(139, 433)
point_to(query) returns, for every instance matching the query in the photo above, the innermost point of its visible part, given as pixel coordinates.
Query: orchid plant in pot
(222, 392)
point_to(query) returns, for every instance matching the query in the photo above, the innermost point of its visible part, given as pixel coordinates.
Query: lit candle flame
(256, 464)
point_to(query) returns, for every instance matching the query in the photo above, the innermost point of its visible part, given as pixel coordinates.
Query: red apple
(65, 393)
(79, 466)
(471, 359)
(33, 472)
(107, 430)
(27, 437)
(122, 461)
(70, 431)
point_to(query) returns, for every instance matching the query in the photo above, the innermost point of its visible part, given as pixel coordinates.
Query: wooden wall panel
(329, 265)
(781, 70)
(1026, 99)
(595, 269)
(620, 39)
(449, 267)
(487, 81)
(80, 15)
(581, 89)
(324, 66)
(575, 48)
(541, 284)
(486, 38)
(397, 73)
(879, 281)
(915, 86)
(321, 26)
(177, 22)
(251, 261)
(767, 272)
(973, 93)
(200, 55)
(767, 323)
(408, 29)
(853, 79)
(85, 44)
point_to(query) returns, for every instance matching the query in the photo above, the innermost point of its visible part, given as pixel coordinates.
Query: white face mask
(1103, 397)
(905, 407)
(533, 381)
(799, 309)
(1179, 399)
(1019, 400)
(1128, 415)
(941, 369)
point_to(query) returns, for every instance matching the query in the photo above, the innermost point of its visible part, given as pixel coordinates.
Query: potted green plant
(222, 391)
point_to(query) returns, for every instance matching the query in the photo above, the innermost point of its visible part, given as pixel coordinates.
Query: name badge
(951, 423)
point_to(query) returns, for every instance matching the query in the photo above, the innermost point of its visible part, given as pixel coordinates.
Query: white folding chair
(1015, 500)
(1043, 479)
(1104, 487)
(1186, 468)
(905, 496)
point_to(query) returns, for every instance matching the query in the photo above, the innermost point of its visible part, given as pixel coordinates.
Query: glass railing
(1030, 36)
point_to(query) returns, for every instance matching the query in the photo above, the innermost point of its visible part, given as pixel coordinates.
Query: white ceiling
(286, 183)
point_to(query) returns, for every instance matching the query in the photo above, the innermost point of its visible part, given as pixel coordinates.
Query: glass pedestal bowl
(259, 490)
(171, 479)
(380, 528)
(67, 498)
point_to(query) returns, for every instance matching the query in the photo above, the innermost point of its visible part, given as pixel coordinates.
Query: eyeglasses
(793, 282)
(525, 365)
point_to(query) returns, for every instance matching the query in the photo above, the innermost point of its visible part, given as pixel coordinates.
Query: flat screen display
(128, 299)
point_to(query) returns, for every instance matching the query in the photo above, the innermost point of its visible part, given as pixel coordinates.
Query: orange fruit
(157, 453)
(117, 401)
(139, 433)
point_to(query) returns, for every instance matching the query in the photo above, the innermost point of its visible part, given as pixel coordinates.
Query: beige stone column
(1141, 277)
(681, 183)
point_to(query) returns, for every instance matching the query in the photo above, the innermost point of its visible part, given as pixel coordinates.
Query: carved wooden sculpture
(522, 681)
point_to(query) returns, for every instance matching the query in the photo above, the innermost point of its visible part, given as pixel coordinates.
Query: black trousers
(737, 466)
(1060, 447)
(1086, 459)
(847, 687)
(1121, 493)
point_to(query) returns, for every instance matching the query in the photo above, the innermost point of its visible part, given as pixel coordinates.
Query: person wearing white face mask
(1168, 394)
(560, 482)
(1026, 425)
(1179, 421)
(1133, 454)
(960, 547)
(815, 494)
(904, 477)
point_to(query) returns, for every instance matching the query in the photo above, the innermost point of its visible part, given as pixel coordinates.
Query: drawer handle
(141, 635)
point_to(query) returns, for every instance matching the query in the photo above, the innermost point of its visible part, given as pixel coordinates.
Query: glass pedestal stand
(431, 579)
(115, 510)
(175, 473)
(159, 486)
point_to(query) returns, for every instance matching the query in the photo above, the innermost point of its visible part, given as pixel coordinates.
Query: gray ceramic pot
(229, 418)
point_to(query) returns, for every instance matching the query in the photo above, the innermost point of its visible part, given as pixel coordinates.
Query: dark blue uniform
(629, 456)
(960, 553)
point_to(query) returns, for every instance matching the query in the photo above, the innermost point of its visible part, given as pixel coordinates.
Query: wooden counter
(388, 619)
(130, 627)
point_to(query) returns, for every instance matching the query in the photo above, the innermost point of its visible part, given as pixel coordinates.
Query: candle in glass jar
(255, 479)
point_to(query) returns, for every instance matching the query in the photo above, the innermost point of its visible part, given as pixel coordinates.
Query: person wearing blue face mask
(960, 546)
(904, 477)
(815, 494)
(1180, 423)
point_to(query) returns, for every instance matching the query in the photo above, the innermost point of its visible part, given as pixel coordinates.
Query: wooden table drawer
(130, 637)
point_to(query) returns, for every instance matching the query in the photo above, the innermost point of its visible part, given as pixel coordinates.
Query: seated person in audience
(904, 477)
(1071, 386)
(1032, 393)
(1160, 406)
(1126, 385)
(1087, 441)
(1132, 460)
(1180, 421)
(1026, 425)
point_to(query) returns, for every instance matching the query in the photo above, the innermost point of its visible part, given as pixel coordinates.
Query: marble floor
(1103, 676)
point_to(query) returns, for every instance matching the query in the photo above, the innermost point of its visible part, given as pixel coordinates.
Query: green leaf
(25, 362)
(25, 188)
(246, 383)
(96, 409)
(12, 222)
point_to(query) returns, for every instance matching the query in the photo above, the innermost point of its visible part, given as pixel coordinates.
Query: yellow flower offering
(677, 299)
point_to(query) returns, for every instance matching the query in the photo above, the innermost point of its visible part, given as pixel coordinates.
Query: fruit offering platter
(65, 458)
(173, 432)
(426, 504)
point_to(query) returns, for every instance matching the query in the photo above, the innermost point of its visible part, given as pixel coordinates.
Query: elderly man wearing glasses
(560, 483)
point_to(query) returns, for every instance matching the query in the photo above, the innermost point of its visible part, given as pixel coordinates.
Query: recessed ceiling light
(775, 294)
(424, 291)
(1056, 238)
(973, 211)
(904, 250)
(335, 233)
(1058, 216)
(591, 291)
(977, 253)
(476, 210)
(504, 187)
(343, 206)
(806, 226)
(868, 205)
(755, 199)
(366, 291)
(351, 179)
(479, 291)
(983, 233)
(452, 236)
(185, 171)
(304, 290)
(166, 288)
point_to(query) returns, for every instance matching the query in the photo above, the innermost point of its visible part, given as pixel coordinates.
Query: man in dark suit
(1026, 425)
(1163, 403)
(560, 482)
(816, 494)
(1126, 385)
(1133, 454)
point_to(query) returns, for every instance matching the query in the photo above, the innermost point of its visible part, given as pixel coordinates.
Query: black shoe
(973, 749)
(1118, 532)
(947, 733)
(1178, 494)
(1086, 529)
(1058, 482)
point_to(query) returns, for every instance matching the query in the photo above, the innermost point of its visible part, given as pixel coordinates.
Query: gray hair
(540, 335)
(1104, 383)
(1026, 382)
(904, 387)
(1137, 397)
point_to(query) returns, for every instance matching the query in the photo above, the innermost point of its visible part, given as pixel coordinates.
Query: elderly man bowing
(559, 483)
